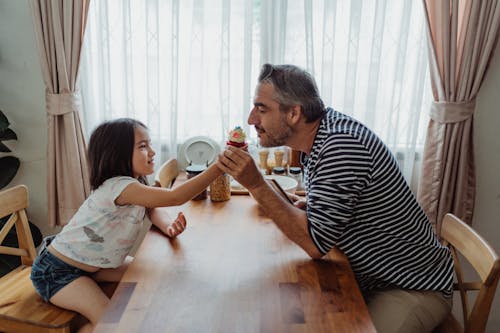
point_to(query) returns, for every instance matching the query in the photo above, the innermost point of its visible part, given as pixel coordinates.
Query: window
(189, 68)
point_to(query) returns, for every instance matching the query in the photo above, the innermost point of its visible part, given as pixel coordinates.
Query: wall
(487, 152)
(22, 99)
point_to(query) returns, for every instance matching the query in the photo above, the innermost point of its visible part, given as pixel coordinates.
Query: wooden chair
(482, 257)
(21, 308)
(168, 172)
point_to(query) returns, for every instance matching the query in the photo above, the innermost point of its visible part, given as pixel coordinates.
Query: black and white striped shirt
(359, 202)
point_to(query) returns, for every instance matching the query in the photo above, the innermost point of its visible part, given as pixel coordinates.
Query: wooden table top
(232, 270)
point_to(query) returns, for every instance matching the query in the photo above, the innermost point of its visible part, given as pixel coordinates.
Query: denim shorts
(50, 274)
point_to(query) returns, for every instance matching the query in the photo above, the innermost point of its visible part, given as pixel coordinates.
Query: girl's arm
(150, 196)
(162, 220)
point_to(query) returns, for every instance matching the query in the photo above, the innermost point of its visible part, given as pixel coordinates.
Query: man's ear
(294, 114)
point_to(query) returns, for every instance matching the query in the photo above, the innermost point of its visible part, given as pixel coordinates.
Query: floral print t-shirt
(102, 233)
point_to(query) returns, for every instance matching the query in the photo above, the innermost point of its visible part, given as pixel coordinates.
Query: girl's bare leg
(84, 296)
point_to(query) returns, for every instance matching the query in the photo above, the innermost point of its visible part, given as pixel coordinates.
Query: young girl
(95, 243)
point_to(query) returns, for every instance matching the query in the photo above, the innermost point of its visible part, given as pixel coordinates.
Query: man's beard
(279, 137)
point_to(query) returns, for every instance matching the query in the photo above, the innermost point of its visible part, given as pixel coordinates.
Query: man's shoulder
(337, 122)
(338, 126)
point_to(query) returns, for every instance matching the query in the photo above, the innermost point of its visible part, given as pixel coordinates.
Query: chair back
(461, 238)
(13, 202)
(167, 173)
(21, 308)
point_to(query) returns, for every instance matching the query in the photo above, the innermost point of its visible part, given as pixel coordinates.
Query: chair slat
(13, 251)
(13, 200)
(470, 244)
(461, 238)
(25, 238)
(167, 173)
(7, 226)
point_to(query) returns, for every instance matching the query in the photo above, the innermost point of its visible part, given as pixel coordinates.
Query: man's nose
(251, 117)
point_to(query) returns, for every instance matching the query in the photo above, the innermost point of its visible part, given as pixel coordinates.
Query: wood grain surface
(232, 270)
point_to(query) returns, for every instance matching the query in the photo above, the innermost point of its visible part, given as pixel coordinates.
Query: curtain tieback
(452, 112)
(60, 104)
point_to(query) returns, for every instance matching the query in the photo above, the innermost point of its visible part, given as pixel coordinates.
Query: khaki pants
(407, 311)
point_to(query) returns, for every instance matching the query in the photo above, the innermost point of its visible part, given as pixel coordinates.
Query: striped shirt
(359, 202)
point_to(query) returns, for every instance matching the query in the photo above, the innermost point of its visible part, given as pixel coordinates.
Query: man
(357, 200)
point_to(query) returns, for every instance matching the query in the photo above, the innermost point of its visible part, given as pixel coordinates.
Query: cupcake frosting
(237, 135)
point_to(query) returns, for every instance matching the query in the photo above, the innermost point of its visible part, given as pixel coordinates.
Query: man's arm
(292, 221)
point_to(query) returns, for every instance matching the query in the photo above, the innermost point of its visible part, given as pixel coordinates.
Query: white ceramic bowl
(287, 183)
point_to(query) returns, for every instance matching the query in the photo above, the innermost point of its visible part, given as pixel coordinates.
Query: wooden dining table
(232, 270)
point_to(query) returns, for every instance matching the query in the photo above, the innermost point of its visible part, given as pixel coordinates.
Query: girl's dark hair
(110, 150)
(294, 86)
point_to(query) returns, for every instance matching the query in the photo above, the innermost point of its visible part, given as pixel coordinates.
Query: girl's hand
(177, 226)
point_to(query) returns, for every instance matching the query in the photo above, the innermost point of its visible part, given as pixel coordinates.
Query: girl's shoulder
(119, 179)
(114, 186)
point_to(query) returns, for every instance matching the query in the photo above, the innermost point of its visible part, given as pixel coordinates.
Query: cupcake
(237, 138)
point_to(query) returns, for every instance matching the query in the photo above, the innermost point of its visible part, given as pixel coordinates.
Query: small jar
(279, 170)
(296, 173)
(192, 171)
(220, 188)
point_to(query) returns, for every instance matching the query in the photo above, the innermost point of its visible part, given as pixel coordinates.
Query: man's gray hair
(294, 86)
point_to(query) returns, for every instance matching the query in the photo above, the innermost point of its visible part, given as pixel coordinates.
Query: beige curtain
(462, 36)
(59, 28)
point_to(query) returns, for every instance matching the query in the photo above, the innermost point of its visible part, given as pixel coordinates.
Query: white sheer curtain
(189, 68)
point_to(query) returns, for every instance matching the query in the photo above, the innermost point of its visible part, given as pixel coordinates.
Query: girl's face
(143, 156)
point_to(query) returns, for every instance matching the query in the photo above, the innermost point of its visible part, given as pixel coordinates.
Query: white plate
(237, 188)
(197, 150)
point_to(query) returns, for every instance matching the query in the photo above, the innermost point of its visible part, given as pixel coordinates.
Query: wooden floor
(232, 270)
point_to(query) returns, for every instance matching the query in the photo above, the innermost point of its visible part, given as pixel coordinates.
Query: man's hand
(240, 164)
(177, 226)
(298, 201)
